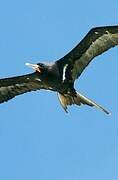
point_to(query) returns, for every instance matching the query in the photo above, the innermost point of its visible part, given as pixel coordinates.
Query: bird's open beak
(36, 67)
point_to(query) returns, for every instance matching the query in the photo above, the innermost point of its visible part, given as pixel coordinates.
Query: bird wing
(97, 41)
(11, 87)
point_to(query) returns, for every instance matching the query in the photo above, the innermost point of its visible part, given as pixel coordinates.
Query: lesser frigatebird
(61, 75)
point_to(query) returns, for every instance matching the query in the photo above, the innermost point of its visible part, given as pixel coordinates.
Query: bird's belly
(56, 84)
(53, 84)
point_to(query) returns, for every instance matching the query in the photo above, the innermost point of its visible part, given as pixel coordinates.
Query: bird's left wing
(97, 41)
(11, 87)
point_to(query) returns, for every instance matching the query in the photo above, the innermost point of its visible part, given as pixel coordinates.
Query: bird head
(37, 67)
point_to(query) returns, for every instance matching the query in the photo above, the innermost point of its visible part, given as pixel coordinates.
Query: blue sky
(38, 140)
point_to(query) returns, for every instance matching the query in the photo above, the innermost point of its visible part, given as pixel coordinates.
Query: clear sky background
(38, 140)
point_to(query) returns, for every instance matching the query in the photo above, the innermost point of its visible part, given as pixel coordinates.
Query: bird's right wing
(97, 41)
(11, 87)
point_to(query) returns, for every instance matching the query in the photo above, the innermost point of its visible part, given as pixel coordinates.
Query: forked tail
(78, 99)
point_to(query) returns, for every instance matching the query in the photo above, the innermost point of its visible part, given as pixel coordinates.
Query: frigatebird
(61, 74)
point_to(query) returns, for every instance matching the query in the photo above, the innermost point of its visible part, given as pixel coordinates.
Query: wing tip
(109, 113)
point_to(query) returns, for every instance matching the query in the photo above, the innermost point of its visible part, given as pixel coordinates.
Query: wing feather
(97, 41)
(11, 87)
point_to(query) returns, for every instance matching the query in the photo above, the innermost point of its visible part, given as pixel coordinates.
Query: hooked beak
(36, 67)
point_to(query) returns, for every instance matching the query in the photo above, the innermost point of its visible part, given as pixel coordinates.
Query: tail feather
(78, 99)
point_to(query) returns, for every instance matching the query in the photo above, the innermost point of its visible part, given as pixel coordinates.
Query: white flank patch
(64, 72)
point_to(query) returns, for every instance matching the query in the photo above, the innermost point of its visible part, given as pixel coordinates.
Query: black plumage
(60, 75)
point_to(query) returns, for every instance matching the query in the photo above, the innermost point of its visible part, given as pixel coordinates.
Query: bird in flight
(61, 75)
